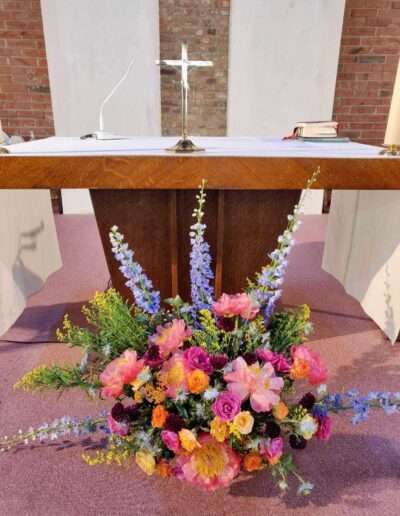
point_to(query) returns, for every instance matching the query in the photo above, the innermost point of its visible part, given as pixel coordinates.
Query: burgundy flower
(296, 442)
(132, 412)
(174, 423)
(307, 401)
(226, 324)
(196, 358)
(152, 356)
(273, 430)
(219, 361)
(118, 412)
(250, 358)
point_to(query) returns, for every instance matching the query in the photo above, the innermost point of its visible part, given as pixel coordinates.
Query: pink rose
(279, 361)
(121, 371)
(120, 428)
(318, 373)
(196, 358)
(226, 406)
(324, 429)
(170, 439)
(237, 304)
(272, 449)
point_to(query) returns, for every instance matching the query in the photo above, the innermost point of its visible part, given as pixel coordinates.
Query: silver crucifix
(186, 66)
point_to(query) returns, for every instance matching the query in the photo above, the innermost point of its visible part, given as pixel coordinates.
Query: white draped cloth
(362, 251)
(29, 250)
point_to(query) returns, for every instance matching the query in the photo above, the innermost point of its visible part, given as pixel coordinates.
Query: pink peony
(324, 429)
(171, 440)
(120, 428)
(279, 361)
(173, 374)
(210, 466)
(318, 373)
(237, 304)
(171, 336)
(121, 371)
(259, 383)
(226, 406)
(197, 358)
(272, 449)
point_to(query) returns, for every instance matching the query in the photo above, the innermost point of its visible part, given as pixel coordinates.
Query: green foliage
(289, 328)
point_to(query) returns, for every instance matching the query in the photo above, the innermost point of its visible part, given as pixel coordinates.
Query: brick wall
(25, 103)
(204, 24)
(369, 55)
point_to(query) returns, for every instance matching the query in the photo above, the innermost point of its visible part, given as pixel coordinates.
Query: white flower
(322, 390)
(308, 426)
(210, 393)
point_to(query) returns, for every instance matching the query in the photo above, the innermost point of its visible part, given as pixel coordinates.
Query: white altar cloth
(29, 250)
(215, 146)
(362, 251)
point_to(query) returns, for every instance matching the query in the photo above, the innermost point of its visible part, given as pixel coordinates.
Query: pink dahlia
(171, 440)
(174, 373)
(318, 371)
(121, 371)
(237, 304)
(260, 384)
(210, 466)
(272, 449)
(171, 336)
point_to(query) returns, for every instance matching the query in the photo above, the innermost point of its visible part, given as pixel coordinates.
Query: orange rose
(280, 411)
(158, 416)
(300, 369)
(252, 462)
(197, 381)
(164, 469)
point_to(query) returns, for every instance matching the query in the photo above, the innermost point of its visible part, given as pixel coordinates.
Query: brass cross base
(391, 150)
(3, 150)
(185, 145)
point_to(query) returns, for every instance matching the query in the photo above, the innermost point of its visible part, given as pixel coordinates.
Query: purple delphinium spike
(200, 259)
(267, 290)
(142, 288)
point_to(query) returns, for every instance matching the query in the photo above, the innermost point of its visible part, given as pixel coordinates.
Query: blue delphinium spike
(200, 259)
(142, 288)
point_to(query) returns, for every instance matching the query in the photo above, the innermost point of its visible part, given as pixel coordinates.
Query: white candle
(1, 134)
(392, 136)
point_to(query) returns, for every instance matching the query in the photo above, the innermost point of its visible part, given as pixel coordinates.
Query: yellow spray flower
(188, 440)
(146, 461)
(244, 422)
(219, 430)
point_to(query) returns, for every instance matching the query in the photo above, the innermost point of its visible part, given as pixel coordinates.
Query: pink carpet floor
(356, 472)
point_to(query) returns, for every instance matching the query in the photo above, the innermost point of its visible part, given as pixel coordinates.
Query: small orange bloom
(280, 411)
(164, 469)
(300, 369)
(252, 462)
(197, 381)
(158, 416)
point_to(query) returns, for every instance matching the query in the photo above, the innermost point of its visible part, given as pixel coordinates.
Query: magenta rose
(325, 428)
(170, 439)
(279, 362)
(197, 358)
(226, 406)
(120, 428)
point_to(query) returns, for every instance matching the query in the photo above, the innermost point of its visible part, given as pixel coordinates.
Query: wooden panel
(186, 172)
(252, 223)
(143, 217)
(242, 227)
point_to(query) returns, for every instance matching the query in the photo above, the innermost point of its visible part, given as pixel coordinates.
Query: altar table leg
(242, 228)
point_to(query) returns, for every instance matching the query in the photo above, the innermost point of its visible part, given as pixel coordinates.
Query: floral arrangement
(206, 390)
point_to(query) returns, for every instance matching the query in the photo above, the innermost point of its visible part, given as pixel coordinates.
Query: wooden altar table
(253, 183)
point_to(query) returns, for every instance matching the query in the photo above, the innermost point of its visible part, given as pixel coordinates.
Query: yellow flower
(280, 411)
(308, 426)
(305, 312)
(188, 440)
(219, 430)
(300, 369)
(197, 381)
(244, 422)
(145, 460)
(138, 397)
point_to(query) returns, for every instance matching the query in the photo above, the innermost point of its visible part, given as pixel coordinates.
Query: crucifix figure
(186, 66)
